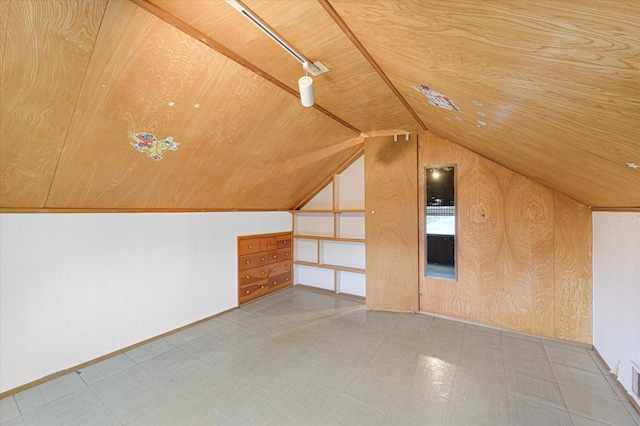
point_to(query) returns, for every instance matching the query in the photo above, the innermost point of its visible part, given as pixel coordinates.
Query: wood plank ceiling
(548, 89)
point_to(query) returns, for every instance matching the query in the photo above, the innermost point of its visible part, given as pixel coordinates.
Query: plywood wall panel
(539, 214)
(239, 149)
(573, 269)
(391, 224)
(503, 252)
(458, 299)
(47, 46)
(4, 20)
(508, 230)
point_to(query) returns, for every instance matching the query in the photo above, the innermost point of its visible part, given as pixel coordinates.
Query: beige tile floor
(303, 358)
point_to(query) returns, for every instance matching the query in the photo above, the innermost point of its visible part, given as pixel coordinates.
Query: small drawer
(251, 292)
(267, 243)
(247, 246)
(250, 261)
(283, 241)
(279, 255)
(279, 281)
(279, 267)
(250, 276)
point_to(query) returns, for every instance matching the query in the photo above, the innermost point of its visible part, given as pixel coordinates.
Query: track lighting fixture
(305, 84)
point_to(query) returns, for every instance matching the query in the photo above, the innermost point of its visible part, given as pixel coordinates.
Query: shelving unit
(329, 236)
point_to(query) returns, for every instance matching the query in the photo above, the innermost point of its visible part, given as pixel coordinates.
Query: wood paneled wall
(391, 223)
(524, 251)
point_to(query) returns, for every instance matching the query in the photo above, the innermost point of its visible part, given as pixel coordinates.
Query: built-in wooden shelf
(329, 235)
(327, 211)
(316, 237)
(332, 267)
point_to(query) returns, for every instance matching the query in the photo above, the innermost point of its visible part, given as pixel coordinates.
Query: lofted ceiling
(548, 89)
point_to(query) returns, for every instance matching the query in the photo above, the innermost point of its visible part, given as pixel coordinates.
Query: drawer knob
(250, 246)
(269, 244)
(248, 261)
(262, 258)
(247, 276)
(261, 286)
(286, 254)
(286, 279)
(275, 256)
(275, 282)
(275, 269)
(248, 291)
(262, 273)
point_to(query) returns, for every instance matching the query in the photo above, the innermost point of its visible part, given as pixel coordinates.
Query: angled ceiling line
(339, 170)
(345, 29)
(75, 108)
(273, 35)
(208, 41)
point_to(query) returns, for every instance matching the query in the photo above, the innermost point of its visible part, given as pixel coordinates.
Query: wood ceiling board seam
(339, 170)
(401, 28)
(54, 210)
(208, 41)
(347, 31)
(40, 78)
(5, 7)
(157, 61)
(481, 155)
(75, 106)
(554, 130)
(352, 90)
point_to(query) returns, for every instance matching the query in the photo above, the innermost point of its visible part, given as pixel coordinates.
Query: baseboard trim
(103, 357)
(626, 392)
(345, 296)
(493, 327)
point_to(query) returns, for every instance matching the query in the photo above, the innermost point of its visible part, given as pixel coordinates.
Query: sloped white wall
(616, 291)
(74, 287)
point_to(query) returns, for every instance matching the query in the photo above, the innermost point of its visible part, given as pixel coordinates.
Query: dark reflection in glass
(440, 222)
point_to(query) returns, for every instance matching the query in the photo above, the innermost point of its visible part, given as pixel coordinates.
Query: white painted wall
(74, 287)
(616, 291)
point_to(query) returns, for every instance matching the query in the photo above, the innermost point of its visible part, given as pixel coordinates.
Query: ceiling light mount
(305, 84)
(314, 68)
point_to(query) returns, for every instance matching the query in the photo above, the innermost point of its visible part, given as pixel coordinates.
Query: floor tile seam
(450, 394)
(16, 405)
(385, 411)
(527, 372)
(539, 400)
(504, 370)
(381, 377)
(20, 405)
(526, 355)
(64, 396)
(471, 363)
(46, 401)
(564, 403)
(576, 365)
(603, 375)
(588, 416)
(615, 396)
(632, 409)
(524, 352)
(104, 404)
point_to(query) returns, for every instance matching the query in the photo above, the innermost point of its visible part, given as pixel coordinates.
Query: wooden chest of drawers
(264, 264)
